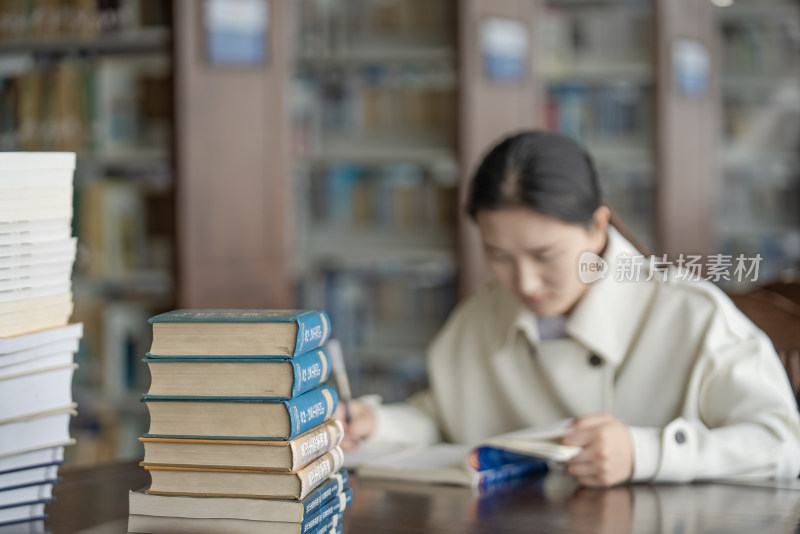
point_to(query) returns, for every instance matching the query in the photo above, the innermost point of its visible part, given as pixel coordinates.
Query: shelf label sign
(690, 67)
(236, 31)
(505, 45)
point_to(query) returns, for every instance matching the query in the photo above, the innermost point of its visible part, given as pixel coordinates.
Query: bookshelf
(601, 71)
(375, 179)
(760, 101)
(331, 174)
(598, 70)
(613, 82)
(95, 78)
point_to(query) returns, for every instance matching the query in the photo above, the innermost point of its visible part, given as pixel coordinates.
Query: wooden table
(95, 501)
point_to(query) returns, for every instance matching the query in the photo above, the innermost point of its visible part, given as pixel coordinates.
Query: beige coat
(699, 386)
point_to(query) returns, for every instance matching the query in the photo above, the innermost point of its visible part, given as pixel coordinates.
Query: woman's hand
(607, 456)
(361, 425)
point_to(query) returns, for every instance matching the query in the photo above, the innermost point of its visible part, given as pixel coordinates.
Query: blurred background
(312, 153)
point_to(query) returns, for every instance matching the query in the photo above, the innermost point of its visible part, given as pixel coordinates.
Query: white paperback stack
(37, 343)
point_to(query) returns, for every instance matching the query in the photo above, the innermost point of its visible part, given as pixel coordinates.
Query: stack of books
(37, 345)
(241, 434)
(37, 249)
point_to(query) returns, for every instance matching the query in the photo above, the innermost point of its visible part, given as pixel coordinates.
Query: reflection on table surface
(555, 504)
(96, 501)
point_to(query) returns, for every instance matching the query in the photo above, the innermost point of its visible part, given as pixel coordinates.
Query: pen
(338, 368)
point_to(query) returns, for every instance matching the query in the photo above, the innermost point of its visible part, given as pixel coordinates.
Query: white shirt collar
(605, 320)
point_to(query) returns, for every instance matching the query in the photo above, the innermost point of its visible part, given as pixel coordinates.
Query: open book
(499, 458)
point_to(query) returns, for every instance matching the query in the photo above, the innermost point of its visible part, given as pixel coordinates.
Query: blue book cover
(17, 513)
(27, 467)
(41, 517)
(192, 416)
(337, 529)
(280, 510)
(246, 376)
(50, 481)
(328, 516)
(313, 328)
(318, 498)
(509, 471)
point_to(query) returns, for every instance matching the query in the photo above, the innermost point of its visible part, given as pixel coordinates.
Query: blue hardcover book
(239, 417)
(22, 512)
(251, 509)
(253, 483)
(328, 516)
(335, 485)
(325, 521)
(337, 529)
(220, 333)
(238, 377)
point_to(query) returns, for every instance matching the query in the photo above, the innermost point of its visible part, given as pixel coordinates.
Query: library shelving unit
(637, 82)
(94, 78)
(348, 199)
(760, 123)
(375, 178)
(392, 109)
(598, 69)
(331, 173)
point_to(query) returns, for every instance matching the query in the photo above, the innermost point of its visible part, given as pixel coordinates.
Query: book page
(540, 441)
(443, 463)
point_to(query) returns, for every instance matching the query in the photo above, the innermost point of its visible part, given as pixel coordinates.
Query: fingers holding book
(607, 456)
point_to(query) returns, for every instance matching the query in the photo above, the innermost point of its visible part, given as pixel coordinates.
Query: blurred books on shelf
(268, 436)
(597, 65)
(37, 346)
(760, 123)
(48, 19)
(596, 36)
(386, 312)
(375, 111)
(105, 106)
(363, 24)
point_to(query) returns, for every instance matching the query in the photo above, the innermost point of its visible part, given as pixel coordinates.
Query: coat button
(680, 437)
(595, 360)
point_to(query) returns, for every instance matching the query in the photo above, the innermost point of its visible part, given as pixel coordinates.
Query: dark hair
(546, 172)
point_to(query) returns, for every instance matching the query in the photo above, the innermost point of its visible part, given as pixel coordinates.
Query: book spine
(313, 330)
(315, 443)
(310, 370)
(327, 514)
(324, 493)
(311, 409)
(506, 472)
(319, 470)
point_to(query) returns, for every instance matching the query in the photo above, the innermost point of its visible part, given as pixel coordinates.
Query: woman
(665, 379)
